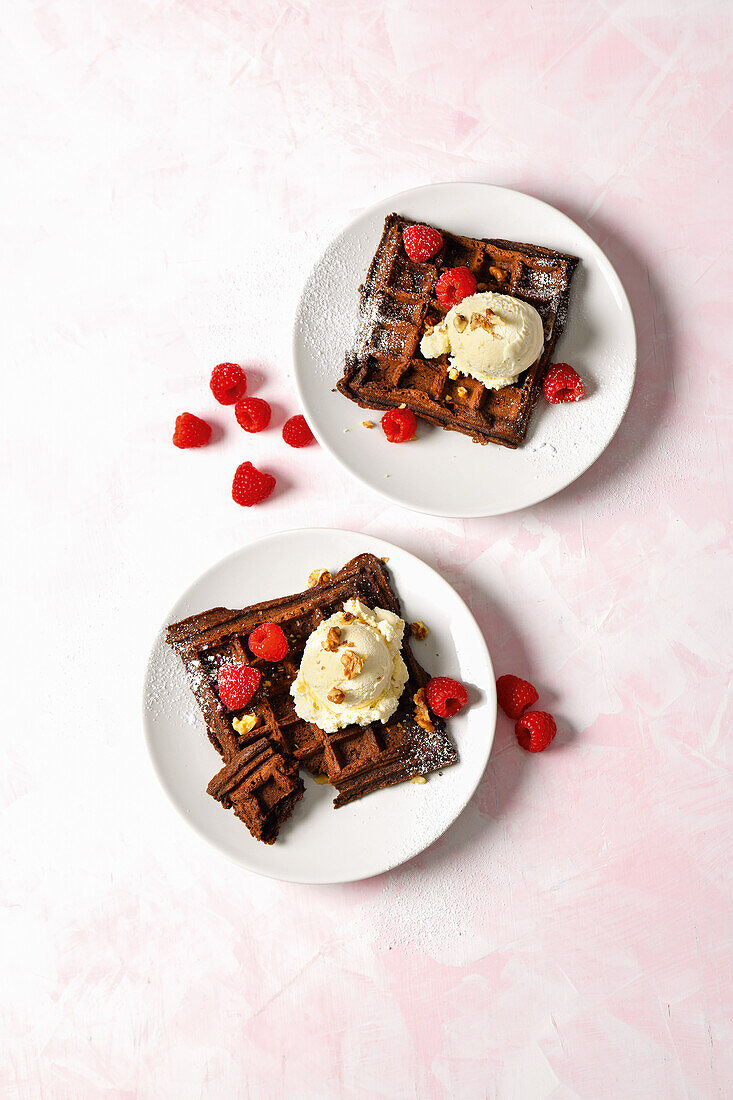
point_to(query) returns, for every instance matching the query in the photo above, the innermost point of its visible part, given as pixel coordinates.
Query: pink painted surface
(172, 171)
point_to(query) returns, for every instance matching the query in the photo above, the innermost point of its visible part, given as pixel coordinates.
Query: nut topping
(497, 274)
(335, 695)
(353, 664)
(245, 724)
(318, 576)
(460, 322)
(422, 714)
(462, 391)
(367, 423)
(485, 322)
(419, 630)
(332, 642)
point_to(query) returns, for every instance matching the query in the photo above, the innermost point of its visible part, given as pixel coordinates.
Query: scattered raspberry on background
(455, 285)
(421, 242)
(515, 695)
(250, 485)
(445, 696)
(535, 730)
(191, 431)
(399, 425)
(296, 432)
(268, 642)
(562, 384)
(237, 685)
(228, 383)
(253, 414)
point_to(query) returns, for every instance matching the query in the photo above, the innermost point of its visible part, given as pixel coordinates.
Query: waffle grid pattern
(356, 759)
(398, 304)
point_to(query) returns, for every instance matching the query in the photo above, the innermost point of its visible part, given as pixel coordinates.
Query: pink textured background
(171, 172)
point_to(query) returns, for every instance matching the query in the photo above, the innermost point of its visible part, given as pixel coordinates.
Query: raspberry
(250, 486)
(445, 696)
(228, 383)
(268, 642)
(296, 432)
(562, 384)
(515, 695)
(191, 431)
(253, 414)
(535, 730)
(455, 285)
(237, 685)
(399, 425)
(421, 242)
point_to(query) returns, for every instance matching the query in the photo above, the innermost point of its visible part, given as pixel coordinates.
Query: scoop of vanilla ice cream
(364, 689)
(492, 337)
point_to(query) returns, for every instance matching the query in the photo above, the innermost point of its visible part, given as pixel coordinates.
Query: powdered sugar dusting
(167, 690)
(328, 317)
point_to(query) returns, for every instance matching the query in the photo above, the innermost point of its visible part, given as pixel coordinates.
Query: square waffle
(356, 759)
(398, 303)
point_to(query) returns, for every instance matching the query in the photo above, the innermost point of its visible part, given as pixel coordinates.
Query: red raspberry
(250, 486)
(268, 642)
(399, 425)
(191, 431)
(253, 414)
(455, 285)
(445, 696)
(515, 695)
(421, 242)
(535, 730)
(228, 383)
(296, 432)
(562, 384)
(237, 685)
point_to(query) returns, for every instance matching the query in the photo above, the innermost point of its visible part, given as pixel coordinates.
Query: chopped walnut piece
(419, 630)
(347, 617)
(497, 274)
(462, 391)
(353, 664)
(422, 714)
(320, 779)
(318, 576)
(480, 286)
(245, 724)
(367, 423)
(332, 642)
(418, 779)
(460, 322)
(335, 695)
(483, 321)
(453, 374)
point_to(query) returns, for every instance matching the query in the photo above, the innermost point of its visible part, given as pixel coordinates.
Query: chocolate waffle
(356, 759)
(261, 786)
(398, 303)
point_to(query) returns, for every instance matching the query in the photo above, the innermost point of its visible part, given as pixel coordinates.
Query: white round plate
(319, 844)
(446, 474)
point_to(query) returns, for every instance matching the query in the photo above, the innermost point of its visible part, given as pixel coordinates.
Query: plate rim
(180, 809)
(384, 493)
